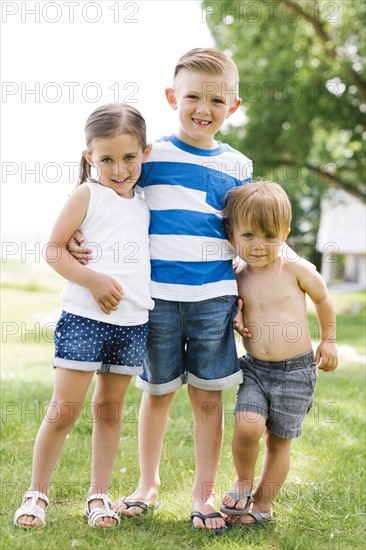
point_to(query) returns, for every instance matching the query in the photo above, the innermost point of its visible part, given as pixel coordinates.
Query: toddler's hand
(106, 292)
(238, 323)
(326, 357)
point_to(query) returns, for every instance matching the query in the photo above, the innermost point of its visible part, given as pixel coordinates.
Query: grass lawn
(321, 505)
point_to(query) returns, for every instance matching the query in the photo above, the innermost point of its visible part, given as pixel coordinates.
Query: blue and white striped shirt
(184, 187)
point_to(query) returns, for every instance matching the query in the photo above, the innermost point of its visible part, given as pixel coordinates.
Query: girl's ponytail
(84, 171)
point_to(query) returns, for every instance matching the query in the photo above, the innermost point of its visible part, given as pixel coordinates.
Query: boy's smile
(203, 103)
(201, 122)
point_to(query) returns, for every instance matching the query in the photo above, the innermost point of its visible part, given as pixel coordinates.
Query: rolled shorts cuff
(122, 369)
(260, 411)
(216, 384)
(161, 389)
(85, 366)
(249, 408)
(285, 434)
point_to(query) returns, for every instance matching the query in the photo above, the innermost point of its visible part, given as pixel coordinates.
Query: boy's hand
(326, 357)
(82, 255)
(106, 292)
(238, 323)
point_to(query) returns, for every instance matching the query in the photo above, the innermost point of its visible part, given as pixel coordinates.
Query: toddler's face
(203, 103)
(257, 249)
(118, 162)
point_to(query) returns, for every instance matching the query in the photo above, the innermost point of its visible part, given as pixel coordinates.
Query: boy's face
(257, 249)
(203, 103)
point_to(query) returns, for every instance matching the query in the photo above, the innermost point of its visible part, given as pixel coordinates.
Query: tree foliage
(302, 82)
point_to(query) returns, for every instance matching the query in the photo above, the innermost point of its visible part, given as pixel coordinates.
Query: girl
(103, 325)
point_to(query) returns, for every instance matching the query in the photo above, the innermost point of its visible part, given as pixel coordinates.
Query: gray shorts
(282, 392)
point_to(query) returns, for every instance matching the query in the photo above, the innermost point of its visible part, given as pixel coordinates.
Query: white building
(342, 240)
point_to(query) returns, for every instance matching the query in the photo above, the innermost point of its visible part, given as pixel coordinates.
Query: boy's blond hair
(210, 61)
(262, 205)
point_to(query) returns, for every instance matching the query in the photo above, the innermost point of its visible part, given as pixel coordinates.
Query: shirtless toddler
(279, 369)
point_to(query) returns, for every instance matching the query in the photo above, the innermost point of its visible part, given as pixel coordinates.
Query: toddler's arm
(238, 322)
(326, 355)
(106, 291)
(313, 284)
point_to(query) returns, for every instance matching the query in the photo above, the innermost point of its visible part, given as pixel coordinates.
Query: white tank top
(117, 230)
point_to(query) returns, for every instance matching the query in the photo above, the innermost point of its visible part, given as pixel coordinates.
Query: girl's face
(118, 161)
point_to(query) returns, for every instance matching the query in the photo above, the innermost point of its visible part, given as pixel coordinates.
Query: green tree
(302, 82)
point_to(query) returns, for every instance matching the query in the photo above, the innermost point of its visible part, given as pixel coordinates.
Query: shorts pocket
(62, 327)
(217, 318)
(297, 391)
(312, 375)
(76, 334)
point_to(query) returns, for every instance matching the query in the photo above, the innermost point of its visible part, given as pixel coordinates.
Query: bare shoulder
(81, 191)
(239, 267)
(299, 265)
(308, 278)
(241, 273)
(73, 212)
(79, 197)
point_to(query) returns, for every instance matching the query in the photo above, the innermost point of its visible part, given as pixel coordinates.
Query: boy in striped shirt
(193, 284)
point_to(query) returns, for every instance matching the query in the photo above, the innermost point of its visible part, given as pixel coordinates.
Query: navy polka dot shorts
(87, 345)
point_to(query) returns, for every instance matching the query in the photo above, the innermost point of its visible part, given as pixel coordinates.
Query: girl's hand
(106, 292)
(326, 357)
(82, 255)
(238, 322)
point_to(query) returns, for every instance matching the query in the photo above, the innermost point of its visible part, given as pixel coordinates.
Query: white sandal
(31, 508)
(105, 511)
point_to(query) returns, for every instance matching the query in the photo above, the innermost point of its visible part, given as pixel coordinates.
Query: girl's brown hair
(262, 205)
(106, 121)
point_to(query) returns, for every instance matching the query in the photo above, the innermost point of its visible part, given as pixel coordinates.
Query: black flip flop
(139, 504)
(203, 517)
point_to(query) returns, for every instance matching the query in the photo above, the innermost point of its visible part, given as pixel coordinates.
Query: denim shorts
(282, 392)
(87, 345)
(191, 342)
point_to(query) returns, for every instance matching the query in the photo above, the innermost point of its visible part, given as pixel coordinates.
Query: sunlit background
(302, 120)
(59, 61)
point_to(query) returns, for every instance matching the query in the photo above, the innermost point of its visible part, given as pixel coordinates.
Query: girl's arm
(106, 291)
(313, 284)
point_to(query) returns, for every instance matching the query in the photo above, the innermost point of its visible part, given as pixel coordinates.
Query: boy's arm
(82, 255)
(313, 284)
(106, 291)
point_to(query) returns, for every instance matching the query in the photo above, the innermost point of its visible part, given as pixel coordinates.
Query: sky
(62, 59)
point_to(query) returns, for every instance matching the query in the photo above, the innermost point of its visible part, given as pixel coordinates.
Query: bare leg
(153, 421)
(107, 403)
(66, 404)
(248, 430)
(273, 475)
(208, 433)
